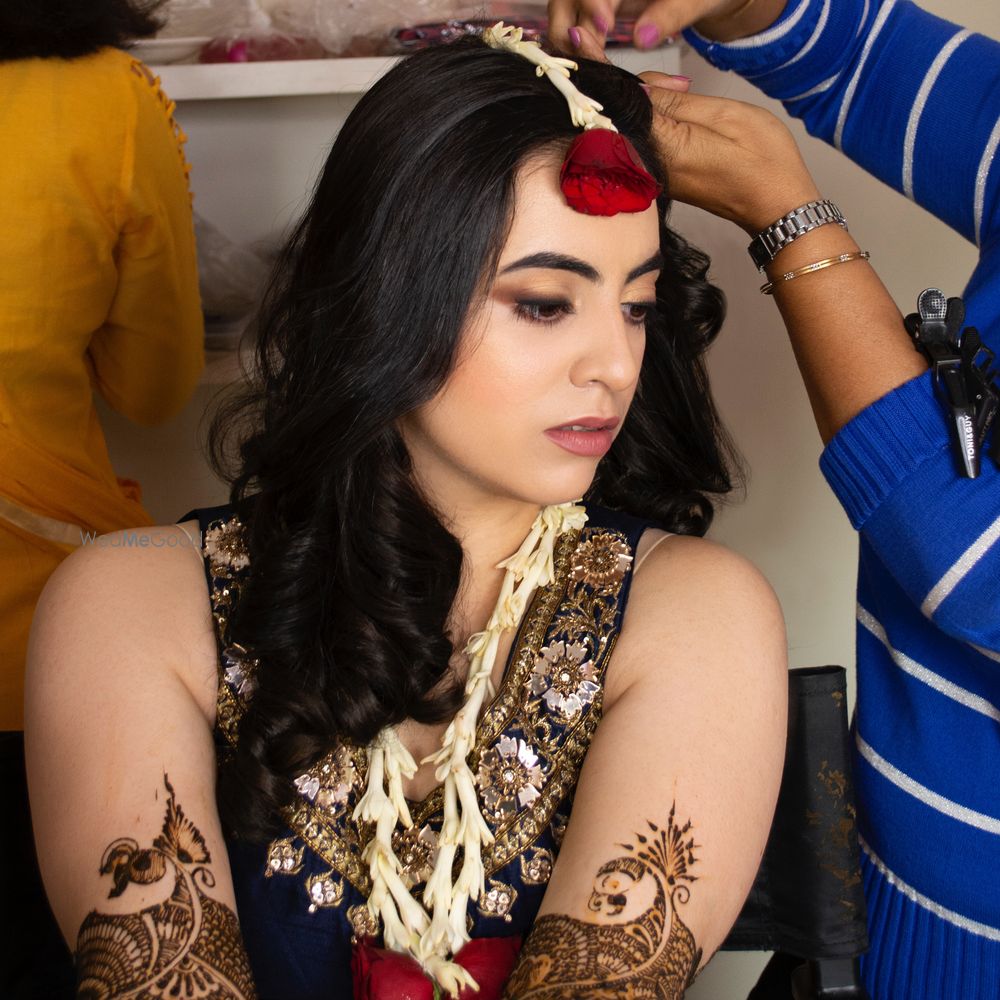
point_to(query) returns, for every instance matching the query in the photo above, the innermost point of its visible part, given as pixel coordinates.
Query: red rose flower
(380, 974)
(603, 175)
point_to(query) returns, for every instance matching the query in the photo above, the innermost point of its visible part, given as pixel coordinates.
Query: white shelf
(298, 77)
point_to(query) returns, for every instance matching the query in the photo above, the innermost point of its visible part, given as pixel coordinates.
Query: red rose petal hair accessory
(602, 173)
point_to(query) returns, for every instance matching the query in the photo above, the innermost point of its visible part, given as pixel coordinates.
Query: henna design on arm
(651, 955)
(188, 946)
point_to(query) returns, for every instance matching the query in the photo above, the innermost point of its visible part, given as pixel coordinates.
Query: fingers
(664, 19)
(594, 16)
(587, 44)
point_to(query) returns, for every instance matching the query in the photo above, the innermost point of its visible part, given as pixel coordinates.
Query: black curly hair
(67, 29)
(353, 575)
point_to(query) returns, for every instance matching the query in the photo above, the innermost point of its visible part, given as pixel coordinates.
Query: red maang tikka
(602, 173)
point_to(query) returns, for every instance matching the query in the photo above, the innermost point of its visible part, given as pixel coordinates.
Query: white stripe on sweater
(981, 821)
(942, 912)
(933, 680)
(990, 654)
(770, 36)
(982, 175)
(959, 570)
(930, 78)
(818, 89)
(845, 107)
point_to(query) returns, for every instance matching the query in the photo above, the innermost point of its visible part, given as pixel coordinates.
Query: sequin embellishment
(283, 857)
(225, 546)
(328, 784)
(417, 850)
(497, 900)
(564, 677)
(601, 561)
(324, 890)
(536, 866)
(509, 777)
(362, 922)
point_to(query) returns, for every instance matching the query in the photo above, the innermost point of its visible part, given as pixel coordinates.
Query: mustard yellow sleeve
(148, 356)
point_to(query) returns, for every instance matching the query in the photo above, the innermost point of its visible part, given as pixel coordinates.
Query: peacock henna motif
(649, 956)
(187, 947)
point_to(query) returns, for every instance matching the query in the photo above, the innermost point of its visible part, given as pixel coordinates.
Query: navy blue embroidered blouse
(302, 898)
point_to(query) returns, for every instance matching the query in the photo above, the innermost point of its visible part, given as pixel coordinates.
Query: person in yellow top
(98, 291)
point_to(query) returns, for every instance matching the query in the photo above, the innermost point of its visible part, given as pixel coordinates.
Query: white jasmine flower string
(407, 926)
(583, 110)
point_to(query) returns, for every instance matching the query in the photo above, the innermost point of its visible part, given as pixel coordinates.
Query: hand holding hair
(733, 159)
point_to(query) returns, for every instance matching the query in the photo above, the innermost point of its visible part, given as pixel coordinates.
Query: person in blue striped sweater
(916, 101)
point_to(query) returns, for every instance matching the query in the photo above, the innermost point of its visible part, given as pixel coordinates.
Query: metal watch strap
(764, 247)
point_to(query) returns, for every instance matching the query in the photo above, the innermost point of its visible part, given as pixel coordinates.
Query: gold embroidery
(283, 858)
(509, 777)
(324, 891)
(362, 922)
(329, 783)
(538, 725)
(602, 561)
(226, 547)
(536, 866)
(417, 850)
(564, 677)
(497, 900)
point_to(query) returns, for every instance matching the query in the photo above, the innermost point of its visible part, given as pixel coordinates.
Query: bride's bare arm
(121, 768)
(676, 796)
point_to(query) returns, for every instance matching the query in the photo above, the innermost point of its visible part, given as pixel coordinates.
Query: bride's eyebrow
(564, 262)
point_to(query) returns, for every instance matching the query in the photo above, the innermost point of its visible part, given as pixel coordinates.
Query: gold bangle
(768, 289)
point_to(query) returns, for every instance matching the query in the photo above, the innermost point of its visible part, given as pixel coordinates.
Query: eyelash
(528, 310)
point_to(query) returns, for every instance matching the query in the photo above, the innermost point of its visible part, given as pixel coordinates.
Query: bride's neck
(489, 531)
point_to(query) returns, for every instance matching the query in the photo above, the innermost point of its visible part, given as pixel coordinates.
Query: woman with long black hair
(451, 707)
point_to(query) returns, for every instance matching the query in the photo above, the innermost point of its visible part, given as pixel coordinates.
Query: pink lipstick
(587, 436)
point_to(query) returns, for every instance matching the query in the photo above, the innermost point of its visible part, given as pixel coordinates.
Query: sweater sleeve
(148, 356)
(916, 101)
(912, 98)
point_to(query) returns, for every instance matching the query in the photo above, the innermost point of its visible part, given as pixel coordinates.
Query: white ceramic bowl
(158, 51)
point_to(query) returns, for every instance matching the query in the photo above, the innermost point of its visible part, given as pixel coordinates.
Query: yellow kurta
(98, 291)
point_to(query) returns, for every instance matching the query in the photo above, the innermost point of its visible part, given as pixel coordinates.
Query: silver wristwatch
(765, 245)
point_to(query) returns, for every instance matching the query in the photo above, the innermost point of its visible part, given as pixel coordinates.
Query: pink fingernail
(600, 24)
(574, 36)
(649, 35)
(646, 87)
(677, 76)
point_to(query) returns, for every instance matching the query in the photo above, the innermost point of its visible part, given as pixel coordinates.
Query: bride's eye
(544, 311)
(637, 313)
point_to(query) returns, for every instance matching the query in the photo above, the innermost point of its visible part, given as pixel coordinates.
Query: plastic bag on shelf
(232, 279)
(359, 27)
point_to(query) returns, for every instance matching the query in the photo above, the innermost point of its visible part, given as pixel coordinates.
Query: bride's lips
(588, 436)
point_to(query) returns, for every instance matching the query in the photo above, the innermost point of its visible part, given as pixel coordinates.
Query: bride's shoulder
(137, 600)
(700, 611)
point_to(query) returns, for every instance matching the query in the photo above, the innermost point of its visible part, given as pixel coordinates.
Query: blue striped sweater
(916, 101)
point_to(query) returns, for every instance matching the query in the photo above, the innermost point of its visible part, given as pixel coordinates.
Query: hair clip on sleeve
(602, 173)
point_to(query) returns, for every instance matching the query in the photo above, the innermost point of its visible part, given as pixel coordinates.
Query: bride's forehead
(543, 221)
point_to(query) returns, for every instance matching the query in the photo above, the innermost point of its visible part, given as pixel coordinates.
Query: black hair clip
(963, 374)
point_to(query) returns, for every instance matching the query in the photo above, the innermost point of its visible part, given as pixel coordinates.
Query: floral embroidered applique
(602, 560)
(328, 783)
(564, 677)
(509, 776)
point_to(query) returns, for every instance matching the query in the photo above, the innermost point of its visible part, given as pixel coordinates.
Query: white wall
(789, 524)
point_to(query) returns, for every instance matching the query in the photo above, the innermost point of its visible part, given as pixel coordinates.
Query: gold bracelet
(768, 289)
